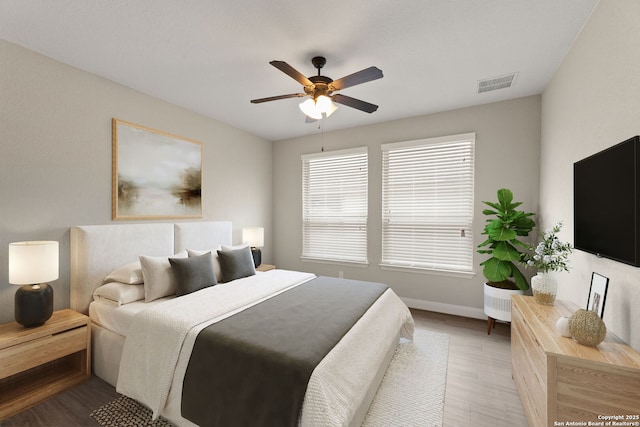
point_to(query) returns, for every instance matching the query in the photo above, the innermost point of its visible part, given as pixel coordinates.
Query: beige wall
(55, 158)
(507, 153)
(593, 102)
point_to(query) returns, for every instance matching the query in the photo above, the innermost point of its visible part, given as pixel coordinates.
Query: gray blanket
(252, 369)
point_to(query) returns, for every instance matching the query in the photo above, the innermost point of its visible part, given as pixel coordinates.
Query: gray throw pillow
(193, 273)
(236, 264)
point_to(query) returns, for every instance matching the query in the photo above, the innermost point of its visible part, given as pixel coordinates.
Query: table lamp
(31, 264)
(254, 236)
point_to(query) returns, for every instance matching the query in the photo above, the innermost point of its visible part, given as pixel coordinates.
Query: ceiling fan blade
(292, 72)
(362, 76)
(354, 103)
(275, 98)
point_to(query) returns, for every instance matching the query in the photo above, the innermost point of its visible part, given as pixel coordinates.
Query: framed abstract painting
(155, 175)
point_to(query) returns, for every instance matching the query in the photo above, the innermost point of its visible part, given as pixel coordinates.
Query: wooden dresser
(560, 380)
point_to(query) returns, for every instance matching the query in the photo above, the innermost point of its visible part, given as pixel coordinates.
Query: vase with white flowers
(550, 255)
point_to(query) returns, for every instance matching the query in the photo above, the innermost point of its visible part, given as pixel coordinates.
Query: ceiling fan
(320, 89)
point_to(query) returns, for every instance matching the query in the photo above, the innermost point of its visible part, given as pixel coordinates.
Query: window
(427, 203)
(334, 206)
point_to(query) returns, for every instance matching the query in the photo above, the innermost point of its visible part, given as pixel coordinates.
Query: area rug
(411, 393)
(413, 388)
(126, 412)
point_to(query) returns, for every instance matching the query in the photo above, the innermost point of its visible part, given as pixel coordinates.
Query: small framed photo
(597, 293)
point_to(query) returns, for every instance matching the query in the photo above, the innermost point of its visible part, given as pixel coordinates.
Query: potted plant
(505, 226)
(550, 255)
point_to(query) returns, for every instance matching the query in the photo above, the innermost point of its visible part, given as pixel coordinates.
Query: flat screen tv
(606, 189)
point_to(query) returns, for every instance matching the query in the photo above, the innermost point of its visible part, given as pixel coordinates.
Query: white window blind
(427, 203)
(334, 206)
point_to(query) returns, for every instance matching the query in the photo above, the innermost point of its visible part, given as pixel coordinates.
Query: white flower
(550, 254)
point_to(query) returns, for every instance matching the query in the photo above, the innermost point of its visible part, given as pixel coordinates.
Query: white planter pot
(497, 302)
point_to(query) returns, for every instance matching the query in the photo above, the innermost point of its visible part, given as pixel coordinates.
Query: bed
(138, 364)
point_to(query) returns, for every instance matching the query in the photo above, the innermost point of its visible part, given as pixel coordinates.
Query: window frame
(466, 269)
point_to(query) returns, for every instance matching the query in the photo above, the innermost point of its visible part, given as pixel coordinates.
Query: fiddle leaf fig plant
(504, 227)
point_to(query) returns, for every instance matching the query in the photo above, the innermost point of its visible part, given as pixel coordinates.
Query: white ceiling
(212, 56)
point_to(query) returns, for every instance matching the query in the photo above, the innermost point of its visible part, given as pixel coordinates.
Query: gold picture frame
(155, 175)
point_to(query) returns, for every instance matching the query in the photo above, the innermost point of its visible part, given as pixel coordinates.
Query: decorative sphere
(587, 328)
(562, 325)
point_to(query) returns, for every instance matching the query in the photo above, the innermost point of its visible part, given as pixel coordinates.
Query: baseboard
(438, 307)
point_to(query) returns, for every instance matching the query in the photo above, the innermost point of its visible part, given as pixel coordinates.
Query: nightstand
(265, 267)
(37, 363)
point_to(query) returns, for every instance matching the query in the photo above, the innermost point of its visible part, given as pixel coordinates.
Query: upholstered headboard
(96, 250)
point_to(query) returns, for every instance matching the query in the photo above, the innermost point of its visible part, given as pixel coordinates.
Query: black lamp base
(257, 256)
(33, 304)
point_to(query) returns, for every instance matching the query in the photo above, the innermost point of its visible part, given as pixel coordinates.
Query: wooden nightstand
(265, 267)
(36, 363)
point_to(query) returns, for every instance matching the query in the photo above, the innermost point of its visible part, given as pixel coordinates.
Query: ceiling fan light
(309, 108)
(325, 105)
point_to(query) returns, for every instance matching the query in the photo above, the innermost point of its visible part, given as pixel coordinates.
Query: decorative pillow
(130, 273)
(119, 293)
(214, 260)
(159, 280)
(236, 264)
(193, 273)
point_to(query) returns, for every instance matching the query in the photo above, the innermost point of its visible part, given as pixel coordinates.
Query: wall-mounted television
(606, 194)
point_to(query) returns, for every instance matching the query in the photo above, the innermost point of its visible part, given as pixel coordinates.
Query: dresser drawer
(528, 349)
(34, 353)
(528, 370)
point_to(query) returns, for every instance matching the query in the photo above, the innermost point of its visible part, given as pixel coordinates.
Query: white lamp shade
(309, 108)
(33, 263)
(254, 236)
(325, 105)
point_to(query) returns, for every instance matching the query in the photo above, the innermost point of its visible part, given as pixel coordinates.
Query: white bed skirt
(106, 353)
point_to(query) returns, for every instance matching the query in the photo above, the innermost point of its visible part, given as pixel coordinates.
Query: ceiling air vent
(495, 83)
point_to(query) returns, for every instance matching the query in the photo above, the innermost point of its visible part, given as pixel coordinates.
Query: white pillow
(159, 280)
(119, 293)
(235, 247)
(130, 273)
(214, 258)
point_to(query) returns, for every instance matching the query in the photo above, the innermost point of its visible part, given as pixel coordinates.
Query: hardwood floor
(69, 408)
(480, 391)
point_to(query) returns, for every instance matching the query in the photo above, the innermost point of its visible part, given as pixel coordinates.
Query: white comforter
(161, 338)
